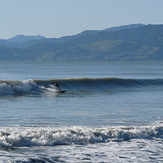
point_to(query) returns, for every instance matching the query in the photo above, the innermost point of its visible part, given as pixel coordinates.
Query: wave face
(26, 137)
(83, 84)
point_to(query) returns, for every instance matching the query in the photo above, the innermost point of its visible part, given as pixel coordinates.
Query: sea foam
(22, 137)
(21, 88)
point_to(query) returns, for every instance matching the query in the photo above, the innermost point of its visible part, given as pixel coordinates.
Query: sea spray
(25, 137)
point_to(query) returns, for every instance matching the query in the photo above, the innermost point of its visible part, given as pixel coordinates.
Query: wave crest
(79, 84)
(21, 137)
(23, 87)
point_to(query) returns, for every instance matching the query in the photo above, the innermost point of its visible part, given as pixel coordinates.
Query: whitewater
(110, 112)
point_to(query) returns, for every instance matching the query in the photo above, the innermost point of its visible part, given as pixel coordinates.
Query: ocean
(109, 112)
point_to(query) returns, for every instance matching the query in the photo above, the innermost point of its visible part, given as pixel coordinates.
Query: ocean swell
(75, 84)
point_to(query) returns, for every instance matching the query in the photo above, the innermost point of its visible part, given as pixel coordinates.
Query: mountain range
(135, 42)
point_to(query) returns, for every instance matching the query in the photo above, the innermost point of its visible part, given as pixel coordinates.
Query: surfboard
(60, 91)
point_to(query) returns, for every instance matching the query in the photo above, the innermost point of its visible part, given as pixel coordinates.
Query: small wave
(100, 83)
(83, 84)
(23, 137)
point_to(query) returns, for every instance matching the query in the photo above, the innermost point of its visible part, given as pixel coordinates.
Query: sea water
(110, 112)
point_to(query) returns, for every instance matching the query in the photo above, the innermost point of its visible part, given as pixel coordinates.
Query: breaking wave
(84, 84)
(26, 137)
(24, 87)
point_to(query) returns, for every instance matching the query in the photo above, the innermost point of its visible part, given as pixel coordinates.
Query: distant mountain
(118, 28)
(136, 42)
(23, 38)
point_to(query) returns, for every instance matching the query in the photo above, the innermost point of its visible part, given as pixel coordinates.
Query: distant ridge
(118, 28)
(23, 38)
(135, 42)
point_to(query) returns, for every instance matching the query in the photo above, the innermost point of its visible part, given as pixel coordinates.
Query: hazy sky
(56, 18)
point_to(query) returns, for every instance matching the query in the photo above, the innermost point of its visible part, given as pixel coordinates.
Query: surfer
(57, 86)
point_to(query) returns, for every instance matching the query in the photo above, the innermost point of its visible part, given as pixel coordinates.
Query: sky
(57, 18)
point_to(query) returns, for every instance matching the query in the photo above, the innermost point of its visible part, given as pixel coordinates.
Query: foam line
(22, 137)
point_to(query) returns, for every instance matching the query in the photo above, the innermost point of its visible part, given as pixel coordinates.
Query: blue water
(102, 117)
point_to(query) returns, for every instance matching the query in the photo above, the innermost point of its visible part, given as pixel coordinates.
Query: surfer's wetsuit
(57, 85)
